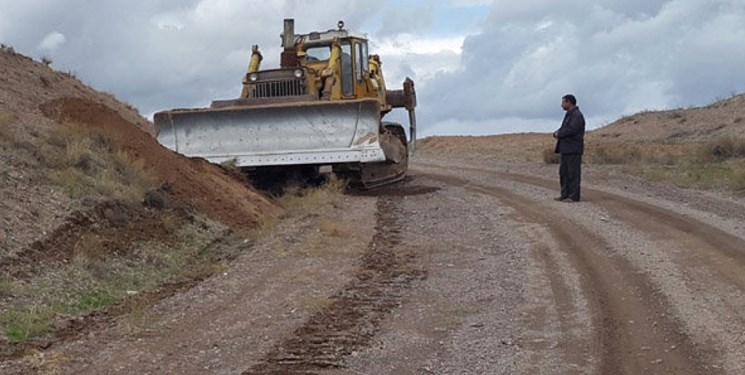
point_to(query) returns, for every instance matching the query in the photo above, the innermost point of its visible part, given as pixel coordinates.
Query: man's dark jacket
(571, 137)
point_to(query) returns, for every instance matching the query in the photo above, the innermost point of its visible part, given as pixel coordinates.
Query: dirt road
(462, 269)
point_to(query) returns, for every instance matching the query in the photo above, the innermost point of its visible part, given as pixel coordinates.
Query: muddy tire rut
(355, 312)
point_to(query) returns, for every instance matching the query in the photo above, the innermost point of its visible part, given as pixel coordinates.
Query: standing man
(570, 144)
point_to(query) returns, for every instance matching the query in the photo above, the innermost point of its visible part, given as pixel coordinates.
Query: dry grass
(716, 164)
(89, 251)
(299, 201)
(333, 229)
(722, 149)
(97, 279)
(84, 162)
(6, 288)
(550, 156)
(7, 134)
(528, 147)
(638, 152)
(315, 304)
(137, 319)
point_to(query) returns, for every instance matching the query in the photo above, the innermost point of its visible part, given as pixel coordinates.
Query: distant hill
(724, 118)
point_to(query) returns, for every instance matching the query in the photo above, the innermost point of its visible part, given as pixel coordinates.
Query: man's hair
(570, 98)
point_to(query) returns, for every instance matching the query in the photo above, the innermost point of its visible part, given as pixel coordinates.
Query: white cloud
(402, 44)
(52, 41)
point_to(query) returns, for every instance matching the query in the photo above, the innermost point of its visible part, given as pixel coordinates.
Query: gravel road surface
(464, 268)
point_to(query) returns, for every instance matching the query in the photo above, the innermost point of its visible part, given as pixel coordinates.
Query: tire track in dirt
(627, 313)
(563, 320)
(705, 245)
(713, 262)
(353, 314)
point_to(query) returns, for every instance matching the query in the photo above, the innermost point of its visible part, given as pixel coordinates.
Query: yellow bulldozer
(322, 110)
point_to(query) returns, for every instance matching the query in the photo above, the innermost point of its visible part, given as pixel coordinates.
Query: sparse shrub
(674, 115)
(550, 156)
(75, 183)
(88, 250)
(306, 200)
(334, 229)
(6, 288)
(7, 119)
(85, 162)
(738, 181)
(8, 49)
(612, 153)
(23, 324)
(46, 60)
(722, 149)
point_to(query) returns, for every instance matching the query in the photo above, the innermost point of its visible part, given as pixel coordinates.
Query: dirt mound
(191, 181)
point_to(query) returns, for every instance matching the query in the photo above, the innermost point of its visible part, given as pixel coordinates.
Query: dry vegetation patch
(701, 148)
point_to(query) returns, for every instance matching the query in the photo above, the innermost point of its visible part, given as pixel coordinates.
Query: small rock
(45, 344)
(62, 324)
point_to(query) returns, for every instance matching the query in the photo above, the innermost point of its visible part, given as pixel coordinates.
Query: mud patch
(355, 313)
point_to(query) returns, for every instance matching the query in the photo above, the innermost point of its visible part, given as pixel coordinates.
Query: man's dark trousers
(570, 174)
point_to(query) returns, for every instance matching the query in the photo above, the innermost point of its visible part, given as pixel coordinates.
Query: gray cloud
(617, 56)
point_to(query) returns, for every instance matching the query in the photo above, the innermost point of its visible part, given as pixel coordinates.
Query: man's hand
(556, 134)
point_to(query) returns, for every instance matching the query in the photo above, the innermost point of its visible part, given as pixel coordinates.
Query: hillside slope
(94, 208)
(43, 116)
(724, 118)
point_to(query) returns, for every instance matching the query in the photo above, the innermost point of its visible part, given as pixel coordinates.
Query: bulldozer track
(352, 318)
(627, 311)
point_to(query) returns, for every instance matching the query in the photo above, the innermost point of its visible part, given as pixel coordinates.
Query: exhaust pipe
(288, 59)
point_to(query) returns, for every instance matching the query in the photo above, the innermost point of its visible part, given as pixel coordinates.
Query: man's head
(568, 102)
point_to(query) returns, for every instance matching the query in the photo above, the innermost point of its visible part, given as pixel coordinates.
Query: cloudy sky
(480, 66)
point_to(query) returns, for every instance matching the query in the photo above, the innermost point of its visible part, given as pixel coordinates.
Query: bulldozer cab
(316, 52)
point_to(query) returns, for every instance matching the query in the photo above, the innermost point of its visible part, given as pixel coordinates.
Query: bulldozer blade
(276, 134)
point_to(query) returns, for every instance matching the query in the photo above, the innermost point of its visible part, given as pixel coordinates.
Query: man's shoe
(561, 199)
